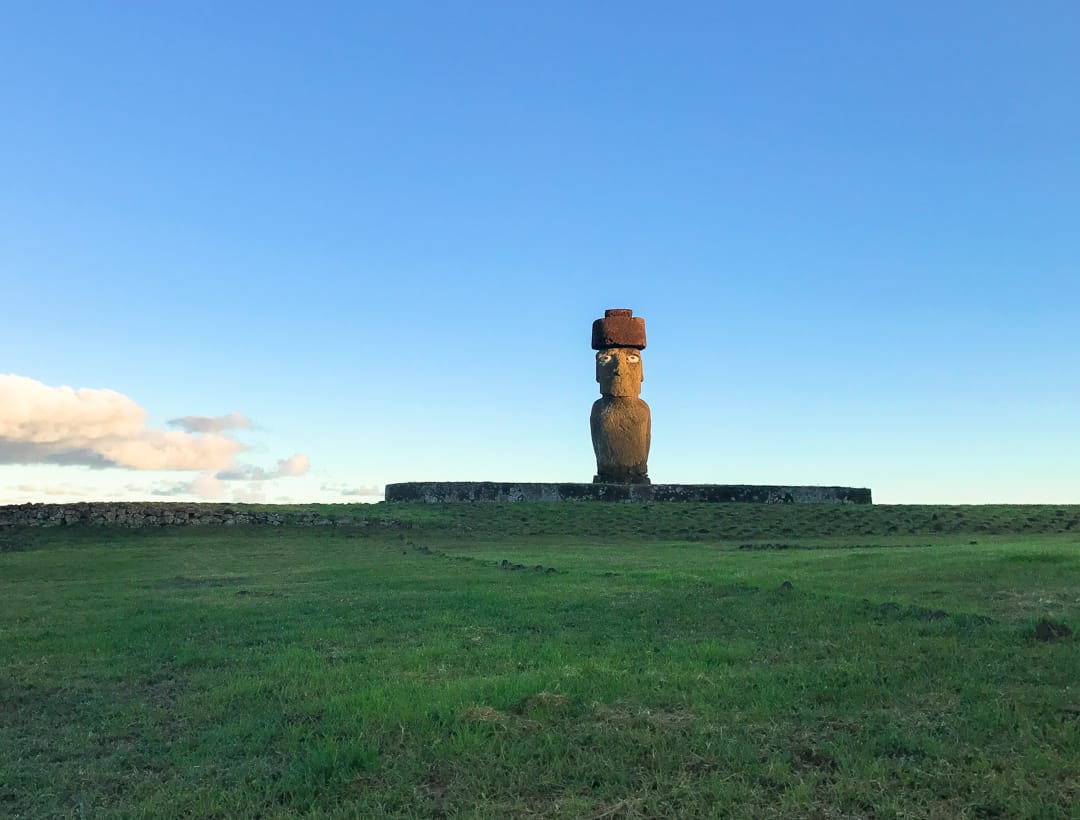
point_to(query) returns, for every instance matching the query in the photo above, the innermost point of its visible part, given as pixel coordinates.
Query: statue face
(618, 370)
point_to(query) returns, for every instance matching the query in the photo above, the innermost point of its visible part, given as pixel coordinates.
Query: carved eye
(633, 359)
(603, 358)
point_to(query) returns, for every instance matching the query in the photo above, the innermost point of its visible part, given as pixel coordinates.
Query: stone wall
(155, 515)
(438, 492)
(149, 514)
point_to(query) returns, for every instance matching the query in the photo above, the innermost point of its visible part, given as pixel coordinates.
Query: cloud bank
(40, 424)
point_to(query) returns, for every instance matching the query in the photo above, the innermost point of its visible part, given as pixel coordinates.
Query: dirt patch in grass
(16, 696)
(626, 808)
(436, 788)
(1036, 558)
(504, 564)
(161, 691)
(542, 701)
(493, 717)
(756, 547)
(1031, 601)
(507, 565)
(738, 588)
(892, 611)
(624, 715)
(485, 714)
(183, 582)
(809, 759)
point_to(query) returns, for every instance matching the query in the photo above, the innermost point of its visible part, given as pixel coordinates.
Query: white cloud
(213, 487)
(212, 424)
(294, 465)
(210, 488)
(252, 494)
(40, 424)
(290, 467)
(57, 489)
(367, 490)
(180, 488)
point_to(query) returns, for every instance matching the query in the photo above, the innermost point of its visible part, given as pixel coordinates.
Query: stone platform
(457, 492)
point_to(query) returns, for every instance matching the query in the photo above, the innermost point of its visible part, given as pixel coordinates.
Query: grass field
(574, 660)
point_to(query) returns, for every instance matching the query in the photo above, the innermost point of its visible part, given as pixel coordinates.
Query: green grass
(404, 670)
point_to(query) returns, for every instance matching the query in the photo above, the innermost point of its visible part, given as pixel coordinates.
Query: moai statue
(621, 422)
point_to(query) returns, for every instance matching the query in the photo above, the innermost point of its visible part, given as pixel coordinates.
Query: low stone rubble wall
(119, 514)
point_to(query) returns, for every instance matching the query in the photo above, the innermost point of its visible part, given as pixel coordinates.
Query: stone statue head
(619, 339)
(618, 370)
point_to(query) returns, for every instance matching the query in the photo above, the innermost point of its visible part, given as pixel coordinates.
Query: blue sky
(380, 232)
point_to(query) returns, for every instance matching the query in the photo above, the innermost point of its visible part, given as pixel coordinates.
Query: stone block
(618, 328)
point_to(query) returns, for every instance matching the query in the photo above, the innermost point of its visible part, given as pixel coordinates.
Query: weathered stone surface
(621, 433)
(619, 371)
(618, 328)
(440, 492)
